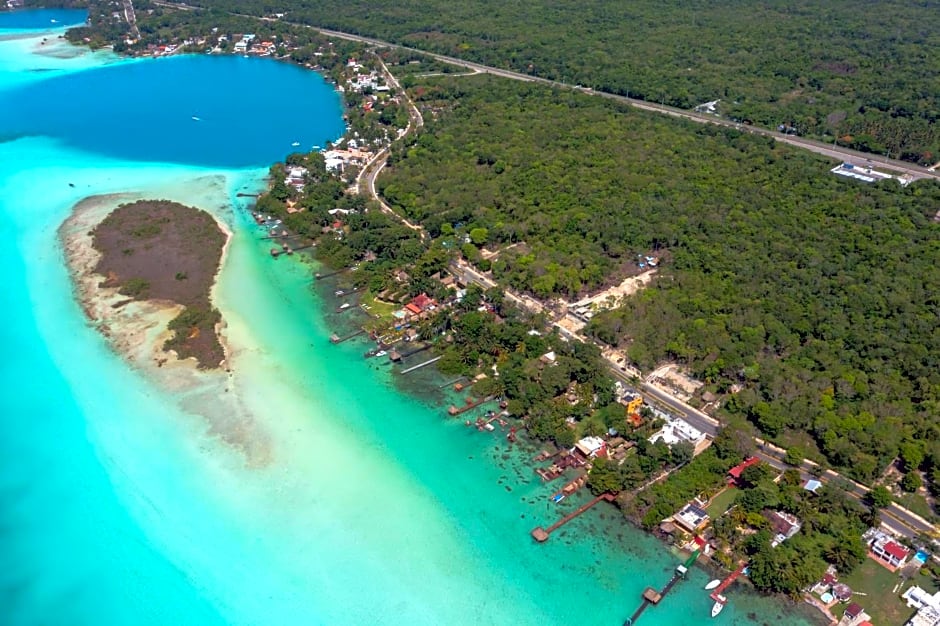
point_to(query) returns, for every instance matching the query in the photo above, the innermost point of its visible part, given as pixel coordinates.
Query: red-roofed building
(735, 472)
(422, 301)
(889, 551)
(412, 308)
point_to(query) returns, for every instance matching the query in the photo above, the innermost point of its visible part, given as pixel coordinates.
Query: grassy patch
(720, 503)
(877, 583)
(916, 503)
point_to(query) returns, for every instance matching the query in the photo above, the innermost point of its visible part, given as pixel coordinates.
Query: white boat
(345, 305)
(381, 353)
(719, 605)
(712, 584)
(295, 144)
(196, 119)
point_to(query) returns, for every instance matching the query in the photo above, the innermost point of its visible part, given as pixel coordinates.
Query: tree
(604, 477)
(682, 452)
(795, 456)
(479, 236)
(911, 482)
(879, 497)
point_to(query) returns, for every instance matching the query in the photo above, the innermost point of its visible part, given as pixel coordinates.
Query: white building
(928, 607)
(676, 430)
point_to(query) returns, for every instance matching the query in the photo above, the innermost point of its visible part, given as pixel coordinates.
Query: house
(889, 551)
(825, 585)
(691, 518)
(676, 430)
(591, 447)
(928, 607)
(734, 474)
(812, 485)
(854, 611)
(548, 358)
(241, 46)
(783, 525)
(423, 302)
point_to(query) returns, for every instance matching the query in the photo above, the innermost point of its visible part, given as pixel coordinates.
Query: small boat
(719, 605)
(295, 144)
(54, 21)
(340, 292)
(345, 305)
(558, 497)
(196, 119)
(489, 427)
(381, 353)
(712, 584)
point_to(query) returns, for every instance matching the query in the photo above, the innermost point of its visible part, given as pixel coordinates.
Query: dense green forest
(816, 294)
(865, 72)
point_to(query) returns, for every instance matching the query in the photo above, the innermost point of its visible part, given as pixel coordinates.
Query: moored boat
(719, 605)
(712, 584)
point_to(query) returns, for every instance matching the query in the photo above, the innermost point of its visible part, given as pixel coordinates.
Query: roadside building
(889, 552)
(591, 447)
(734, 474)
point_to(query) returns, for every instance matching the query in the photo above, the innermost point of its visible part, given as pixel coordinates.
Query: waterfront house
(692, 518)
(784, 526)
(591, 447)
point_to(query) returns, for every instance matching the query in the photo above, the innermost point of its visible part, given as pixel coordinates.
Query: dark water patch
(42, 19)
(188, 109)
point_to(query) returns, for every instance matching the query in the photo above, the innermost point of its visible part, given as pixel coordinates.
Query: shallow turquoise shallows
(300, 488)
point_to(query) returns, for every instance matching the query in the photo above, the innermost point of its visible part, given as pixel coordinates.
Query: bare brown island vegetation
(165, 251)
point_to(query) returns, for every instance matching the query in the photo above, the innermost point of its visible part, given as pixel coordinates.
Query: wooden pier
(471, 404)
(420, 365)
(320, 276)
(653, 597)
(542, 534)
(337, 339)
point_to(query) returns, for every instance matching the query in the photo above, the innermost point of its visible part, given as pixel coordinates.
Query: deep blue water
(215, 111)
(44, 19)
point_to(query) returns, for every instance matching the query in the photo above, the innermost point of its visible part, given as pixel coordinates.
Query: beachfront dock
(334, 338)
(542, 534)
(652, 597)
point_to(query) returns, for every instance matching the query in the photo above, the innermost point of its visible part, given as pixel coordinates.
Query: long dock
(319, 276)
(651, 596)
(471, 404)
(428, 346)
(542, 534)
(420, 365)
(716, 594)
(337, 339)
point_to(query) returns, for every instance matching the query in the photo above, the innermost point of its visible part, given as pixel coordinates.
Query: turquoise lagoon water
(302, 487)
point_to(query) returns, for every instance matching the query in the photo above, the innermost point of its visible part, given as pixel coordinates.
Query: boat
(295, 144)
(196, 119)
(345, 305)
(54, 21)
(719, 605)
(340, 292)
(712, 584)
(381, 353)
(558, 497)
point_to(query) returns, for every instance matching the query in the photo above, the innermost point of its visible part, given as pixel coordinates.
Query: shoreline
(135, 331)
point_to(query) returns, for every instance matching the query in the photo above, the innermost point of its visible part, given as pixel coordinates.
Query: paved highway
(829, 150)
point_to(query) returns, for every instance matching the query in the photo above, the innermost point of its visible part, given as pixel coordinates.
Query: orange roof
(413, 308)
